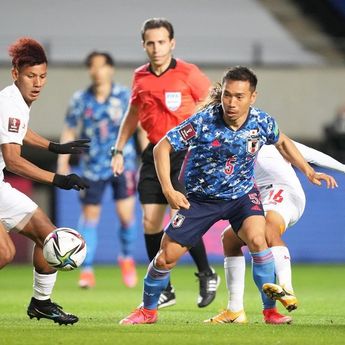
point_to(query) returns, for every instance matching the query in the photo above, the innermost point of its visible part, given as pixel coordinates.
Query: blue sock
(263, 272)
(88, 229)
(154, 283)
(128, 236)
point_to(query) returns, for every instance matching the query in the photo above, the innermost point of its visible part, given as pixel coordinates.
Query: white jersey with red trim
(14, 119)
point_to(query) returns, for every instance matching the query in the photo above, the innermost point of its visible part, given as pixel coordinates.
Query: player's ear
(15, 73)
(172, 44)
(253, 97)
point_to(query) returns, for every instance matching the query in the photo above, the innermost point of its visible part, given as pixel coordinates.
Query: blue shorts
(188, 226)
(123, 187)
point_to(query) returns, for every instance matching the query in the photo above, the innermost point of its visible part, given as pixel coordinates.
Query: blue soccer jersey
(220, 161)
(100, 122)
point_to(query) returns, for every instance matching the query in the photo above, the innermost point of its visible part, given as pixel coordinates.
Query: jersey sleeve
(75, 110)
(134, 98)
(184, 135)
(319, 158)
(10, 127)
(272, 130)
(198, 83)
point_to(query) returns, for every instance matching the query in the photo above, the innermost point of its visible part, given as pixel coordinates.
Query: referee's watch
(115, 151)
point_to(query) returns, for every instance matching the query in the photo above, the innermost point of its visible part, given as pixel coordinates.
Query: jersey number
(276, 196)
(229, 166)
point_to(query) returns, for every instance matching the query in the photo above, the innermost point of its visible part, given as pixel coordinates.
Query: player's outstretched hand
(71, 181)
(176, 200)
(75, 146)
(317, 178)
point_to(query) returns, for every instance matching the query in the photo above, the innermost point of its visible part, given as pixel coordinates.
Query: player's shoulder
(119, 89)
(8, 96)
(185, 66)
(143, 69)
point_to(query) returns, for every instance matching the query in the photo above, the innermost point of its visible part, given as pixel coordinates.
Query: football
(64, 249)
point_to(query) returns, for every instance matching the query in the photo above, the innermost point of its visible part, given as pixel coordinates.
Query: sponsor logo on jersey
(178, 220)
(216, 143)
(13, 125)
(256, 208)
(187, 132)
(173, 100)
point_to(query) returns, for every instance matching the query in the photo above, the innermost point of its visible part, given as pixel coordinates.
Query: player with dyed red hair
(17, 211)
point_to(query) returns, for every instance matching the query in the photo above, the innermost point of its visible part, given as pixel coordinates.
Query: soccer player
(165, 92)
(18, 212)
(283, 200)
(223, 140)
(97, 112)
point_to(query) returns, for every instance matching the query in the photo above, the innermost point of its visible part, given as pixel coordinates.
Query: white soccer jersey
(14, 119)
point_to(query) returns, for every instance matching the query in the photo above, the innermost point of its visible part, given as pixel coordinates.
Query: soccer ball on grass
(64, 249)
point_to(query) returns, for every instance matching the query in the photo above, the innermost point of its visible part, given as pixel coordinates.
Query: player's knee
(257, 243)
(6, 255)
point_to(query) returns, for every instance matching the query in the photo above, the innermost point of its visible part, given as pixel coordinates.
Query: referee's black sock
(198, 253)
(153, 243)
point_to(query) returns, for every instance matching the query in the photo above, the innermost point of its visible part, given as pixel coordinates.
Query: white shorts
(288, 203)
(16, 208)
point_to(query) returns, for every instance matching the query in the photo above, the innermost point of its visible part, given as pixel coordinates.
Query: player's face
(158, 47)
(30, 81)
(237, 97)
(100, 72)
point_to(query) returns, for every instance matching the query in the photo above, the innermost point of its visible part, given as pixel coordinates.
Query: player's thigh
(38, 227)
(153, 217)
(232, 244)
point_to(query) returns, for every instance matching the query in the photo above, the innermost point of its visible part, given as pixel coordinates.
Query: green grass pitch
(320, 319)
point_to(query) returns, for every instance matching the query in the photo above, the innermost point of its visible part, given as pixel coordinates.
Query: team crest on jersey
(253, 142)
(178, 220)
(173, 100)
(13, 125)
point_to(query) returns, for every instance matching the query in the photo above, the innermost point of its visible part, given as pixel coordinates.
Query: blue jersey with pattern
(220, 161)
(100, 122)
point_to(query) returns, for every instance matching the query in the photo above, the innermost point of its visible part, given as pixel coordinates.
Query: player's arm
(128, 127)
(319, 158)
(290, 152)
(18, 165)
(161, 154)
(76, 146)
(67, 134)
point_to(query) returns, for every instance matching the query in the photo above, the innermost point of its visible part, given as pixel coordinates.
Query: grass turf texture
(320, 319)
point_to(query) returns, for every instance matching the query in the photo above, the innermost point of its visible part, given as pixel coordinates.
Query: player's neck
(102, 91)
(160, 69)
(235, 124)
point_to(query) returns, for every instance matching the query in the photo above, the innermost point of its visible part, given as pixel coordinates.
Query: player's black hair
(156, 23)
(108, 58)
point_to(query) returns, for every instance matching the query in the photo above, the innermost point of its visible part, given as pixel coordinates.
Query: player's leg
(124, 188)
(7, 249)
(87, 227)
(275, 227)
(37, 228)
(156, 279)
(234, 268)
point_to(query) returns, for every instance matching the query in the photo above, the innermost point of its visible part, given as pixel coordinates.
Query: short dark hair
(241, 73)
(156, 23)
(26, 51)
(108, 58)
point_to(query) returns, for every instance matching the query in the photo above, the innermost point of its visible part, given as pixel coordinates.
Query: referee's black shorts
(149, 188)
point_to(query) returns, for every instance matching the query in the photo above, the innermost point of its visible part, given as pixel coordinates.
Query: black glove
(75, 146)
(71, 181)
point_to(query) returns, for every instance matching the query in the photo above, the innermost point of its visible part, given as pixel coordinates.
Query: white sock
(235, 268)
(282, 263)
(43, 285)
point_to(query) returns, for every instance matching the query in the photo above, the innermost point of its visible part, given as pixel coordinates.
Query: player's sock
(198, 253)
(88, 229)
(127, 235)
(154, 283)
(263, 272)
(43, 285)
(235, 267)
(153, 243)
(282, 263)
